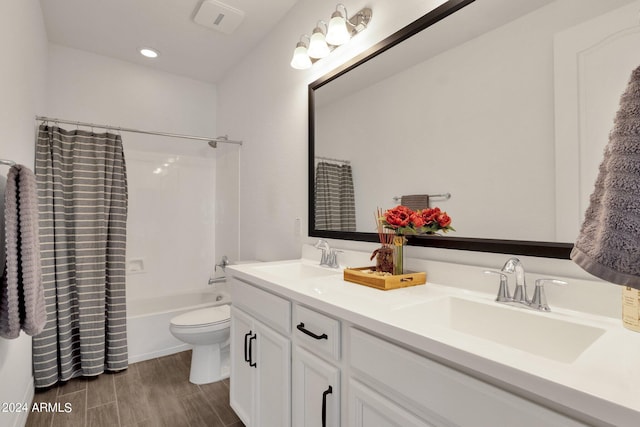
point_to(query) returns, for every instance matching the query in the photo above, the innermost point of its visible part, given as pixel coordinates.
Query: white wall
(170, 227)
(172, 209)
(23, 44)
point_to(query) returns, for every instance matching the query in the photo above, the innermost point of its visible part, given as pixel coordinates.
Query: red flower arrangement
(405, 221)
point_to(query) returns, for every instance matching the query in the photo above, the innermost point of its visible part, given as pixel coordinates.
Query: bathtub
(148, 320)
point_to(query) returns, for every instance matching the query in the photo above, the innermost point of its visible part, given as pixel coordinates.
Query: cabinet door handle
(251, 362)
(324, 405)
(302, 329)
(246, 354)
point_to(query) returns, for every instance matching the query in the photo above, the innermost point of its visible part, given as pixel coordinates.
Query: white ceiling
(118, 28)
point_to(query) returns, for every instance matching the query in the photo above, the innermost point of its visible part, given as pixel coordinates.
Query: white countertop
(603, 383)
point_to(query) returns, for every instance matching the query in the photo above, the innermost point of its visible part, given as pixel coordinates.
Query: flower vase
(384, 259)
(398, 254)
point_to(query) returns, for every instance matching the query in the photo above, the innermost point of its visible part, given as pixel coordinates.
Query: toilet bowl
(207, 330)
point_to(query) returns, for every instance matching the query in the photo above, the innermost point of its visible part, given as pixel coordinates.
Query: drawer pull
(246, 354)
(251, 362)
(302, 329)
(324, 405)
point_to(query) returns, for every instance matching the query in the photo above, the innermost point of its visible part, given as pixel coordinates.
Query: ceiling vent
(218, 16)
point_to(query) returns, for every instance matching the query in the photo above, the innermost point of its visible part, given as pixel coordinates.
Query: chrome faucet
(329, 255)
(513, 265)
(223, 265)
(539, 300)
(503, 291)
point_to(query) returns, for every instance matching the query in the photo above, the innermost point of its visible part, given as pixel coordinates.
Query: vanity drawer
(317, 332)
(437, 392)
(271, 309)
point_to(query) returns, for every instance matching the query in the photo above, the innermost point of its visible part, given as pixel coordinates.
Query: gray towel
(22, 303)
(415, 201)
(608, 245)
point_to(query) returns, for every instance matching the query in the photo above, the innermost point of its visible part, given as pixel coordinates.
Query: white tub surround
(597, 386)
(148, 321)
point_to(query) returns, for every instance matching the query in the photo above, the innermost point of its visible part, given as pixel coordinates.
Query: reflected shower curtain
(335, 200)
(82, 200)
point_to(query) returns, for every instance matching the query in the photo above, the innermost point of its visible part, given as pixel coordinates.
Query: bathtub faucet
(223, 263)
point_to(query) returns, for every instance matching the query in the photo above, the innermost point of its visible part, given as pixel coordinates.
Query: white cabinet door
(260, 391)
(242, 388)
(273, 377)
(316, 391)
(369, 409)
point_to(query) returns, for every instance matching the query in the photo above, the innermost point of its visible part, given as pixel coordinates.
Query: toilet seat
(204, 317)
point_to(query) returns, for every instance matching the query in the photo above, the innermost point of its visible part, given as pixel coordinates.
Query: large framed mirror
(473, 104)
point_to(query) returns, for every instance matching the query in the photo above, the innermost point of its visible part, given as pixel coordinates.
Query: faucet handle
(539, 300)
(332, 260)
(503, 291)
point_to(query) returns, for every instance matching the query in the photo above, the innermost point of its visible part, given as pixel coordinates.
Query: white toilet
(207, 330)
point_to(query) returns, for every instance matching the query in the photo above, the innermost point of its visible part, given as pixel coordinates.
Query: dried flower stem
(386, 236)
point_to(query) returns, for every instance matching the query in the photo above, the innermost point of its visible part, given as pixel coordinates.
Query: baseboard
(159, 353)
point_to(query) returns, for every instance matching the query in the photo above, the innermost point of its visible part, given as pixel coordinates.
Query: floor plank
(72, 410)
(100, 390)
(153, 393)
(103, 416)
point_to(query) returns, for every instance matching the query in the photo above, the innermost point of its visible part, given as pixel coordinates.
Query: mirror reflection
(505, 105)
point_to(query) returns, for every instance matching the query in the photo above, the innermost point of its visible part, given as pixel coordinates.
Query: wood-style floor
(152, 393)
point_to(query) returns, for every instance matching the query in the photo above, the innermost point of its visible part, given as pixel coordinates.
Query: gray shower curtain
(82, 200)
(335, 207)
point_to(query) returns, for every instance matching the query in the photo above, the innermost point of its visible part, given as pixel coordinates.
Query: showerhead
(213, 144)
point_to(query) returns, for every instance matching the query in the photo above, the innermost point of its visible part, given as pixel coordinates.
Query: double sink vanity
(309, 348)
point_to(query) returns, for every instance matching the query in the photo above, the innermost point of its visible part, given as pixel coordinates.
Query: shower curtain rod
(148, 132)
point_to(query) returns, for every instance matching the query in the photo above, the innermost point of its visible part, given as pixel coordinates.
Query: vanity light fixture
(318, 47)
(301, 60)
(339, 31)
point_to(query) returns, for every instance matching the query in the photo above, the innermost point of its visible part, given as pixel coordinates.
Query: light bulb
(148, 52)
(300, 60)
(318, 47)
(337, 33)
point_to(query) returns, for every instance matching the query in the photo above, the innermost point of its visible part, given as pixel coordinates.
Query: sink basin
(296, 270)
(535, 333)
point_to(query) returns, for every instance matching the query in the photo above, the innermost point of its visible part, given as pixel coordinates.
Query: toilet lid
(205, 316)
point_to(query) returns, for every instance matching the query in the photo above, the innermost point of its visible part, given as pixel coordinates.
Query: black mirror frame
(515, 247)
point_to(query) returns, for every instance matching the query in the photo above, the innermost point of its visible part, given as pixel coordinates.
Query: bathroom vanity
(308, 348)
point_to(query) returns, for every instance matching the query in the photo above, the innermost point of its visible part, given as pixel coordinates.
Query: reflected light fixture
(301, 60)
(339, 31)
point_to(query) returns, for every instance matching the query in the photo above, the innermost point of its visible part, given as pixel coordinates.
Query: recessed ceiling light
(148, 52)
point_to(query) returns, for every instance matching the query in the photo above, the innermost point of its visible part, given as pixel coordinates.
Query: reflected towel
(22, 303)
(608, 245)
(415, 201)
